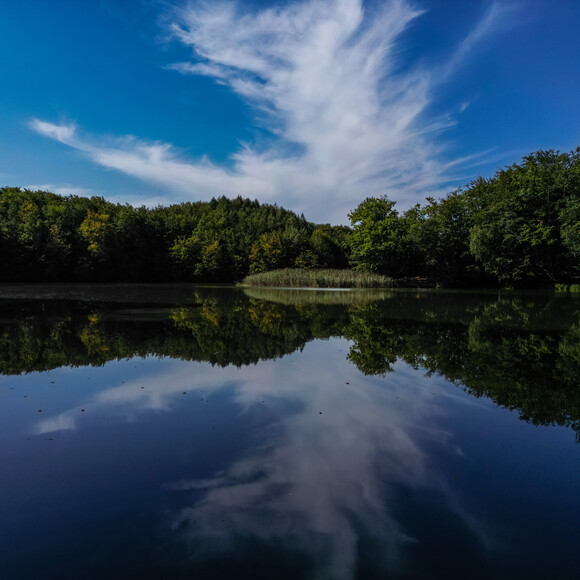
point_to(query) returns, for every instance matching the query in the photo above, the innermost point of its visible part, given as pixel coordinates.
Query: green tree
(94, 229)
(377, 240)
(441, 236)
(268, 253)
(517, 235)
(570, 227)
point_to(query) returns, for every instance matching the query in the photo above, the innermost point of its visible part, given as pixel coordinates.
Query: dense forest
(47, 237)
(520, 227)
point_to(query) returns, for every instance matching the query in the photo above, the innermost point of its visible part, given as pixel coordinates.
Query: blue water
(298, 466)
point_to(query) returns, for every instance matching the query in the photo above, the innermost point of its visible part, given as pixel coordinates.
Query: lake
(180, 431)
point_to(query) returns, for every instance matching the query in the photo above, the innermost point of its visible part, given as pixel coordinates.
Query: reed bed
(300, 278)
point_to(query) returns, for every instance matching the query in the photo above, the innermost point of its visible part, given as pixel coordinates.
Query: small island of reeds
(303, 278)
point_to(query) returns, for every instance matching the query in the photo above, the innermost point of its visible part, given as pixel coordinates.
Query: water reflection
(521, 351)
(315, 482)
(290, 438)
(321, 472)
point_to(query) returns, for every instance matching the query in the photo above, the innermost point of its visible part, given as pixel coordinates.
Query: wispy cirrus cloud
(58, 189)
(324, 79)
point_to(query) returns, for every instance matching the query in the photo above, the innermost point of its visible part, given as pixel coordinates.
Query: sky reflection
(291, 465)
(303, 458)
(317, 475)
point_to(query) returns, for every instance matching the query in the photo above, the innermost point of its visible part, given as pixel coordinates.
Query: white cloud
(59, 189)
(62, 133)
(323, 78)
(498, 16)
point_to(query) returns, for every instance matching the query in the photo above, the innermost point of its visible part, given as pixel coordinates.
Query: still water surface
(189, 432)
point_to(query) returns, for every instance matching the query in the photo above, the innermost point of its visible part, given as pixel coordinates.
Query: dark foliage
(46, 237)
(519, 228)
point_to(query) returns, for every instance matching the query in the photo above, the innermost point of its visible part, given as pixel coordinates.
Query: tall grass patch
(301, 278)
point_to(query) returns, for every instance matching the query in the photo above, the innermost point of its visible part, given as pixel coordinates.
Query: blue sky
(312, 104)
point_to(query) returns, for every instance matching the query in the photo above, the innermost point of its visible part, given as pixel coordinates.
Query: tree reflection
(521, 352)
(524, 354)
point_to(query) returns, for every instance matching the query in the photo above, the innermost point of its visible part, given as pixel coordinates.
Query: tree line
(46, 237)
(520, 227)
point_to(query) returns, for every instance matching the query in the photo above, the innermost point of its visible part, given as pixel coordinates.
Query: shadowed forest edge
(520, 228)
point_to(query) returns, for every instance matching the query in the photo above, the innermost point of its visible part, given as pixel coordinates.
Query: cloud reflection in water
(318, 477)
